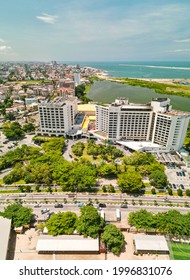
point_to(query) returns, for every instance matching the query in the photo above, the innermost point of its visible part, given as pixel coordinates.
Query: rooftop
(4, 236)
(67, 243)
(138, 145)
(59, 101)
(150, 242)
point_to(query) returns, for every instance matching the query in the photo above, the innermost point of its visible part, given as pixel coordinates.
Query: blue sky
(95, 30)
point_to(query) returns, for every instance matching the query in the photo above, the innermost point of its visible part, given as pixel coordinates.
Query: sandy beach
(104, 76)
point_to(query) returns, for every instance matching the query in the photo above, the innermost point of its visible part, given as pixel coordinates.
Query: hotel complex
(155, 126)
(146, 127)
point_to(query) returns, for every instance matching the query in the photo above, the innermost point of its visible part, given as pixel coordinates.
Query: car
(89, 204)
(58, 205)
(182, 186)
(71, 195)
(124, 205)
(79, 203)
(37, 205)
(45, 210)
(102, 205)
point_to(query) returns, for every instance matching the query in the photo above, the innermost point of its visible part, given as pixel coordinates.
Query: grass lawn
(180, 251)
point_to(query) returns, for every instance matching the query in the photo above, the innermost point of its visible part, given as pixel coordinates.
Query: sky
(94, 30)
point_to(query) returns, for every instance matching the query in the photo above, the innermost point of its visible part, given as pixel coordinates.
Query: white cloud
(2, 41)
(4, 48)
(182, 40)
(179, 51)
(47, 18)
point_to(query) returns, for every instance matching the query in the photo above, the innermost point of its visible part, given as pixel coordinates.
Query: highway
(106, 198)
(112, 201)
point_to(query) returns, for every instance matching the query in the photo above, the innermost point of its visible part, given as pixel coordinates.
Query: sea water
(148, 69)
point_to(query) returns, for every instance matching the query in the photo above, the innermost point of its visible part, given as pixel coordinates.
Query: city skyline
(94, 30)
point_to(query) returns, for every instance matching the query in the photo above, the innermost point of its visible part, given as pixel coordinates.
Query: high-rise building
(155, 122)
(57, 117)
(77, 79)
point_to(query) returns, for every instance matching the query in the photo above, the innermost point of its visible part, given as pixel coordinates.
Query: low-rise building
(152, 244)
(67, 244)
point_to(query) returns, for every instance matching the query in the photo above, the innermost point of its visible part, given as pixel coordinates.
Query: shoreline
(174, 81)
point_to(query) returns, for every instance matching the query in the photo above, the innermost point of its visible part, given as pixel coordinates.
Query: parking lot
(6, 145)
(178, 177)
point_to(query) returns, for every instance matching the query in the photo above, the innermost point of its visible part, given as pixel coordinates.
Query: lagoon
(107, 92)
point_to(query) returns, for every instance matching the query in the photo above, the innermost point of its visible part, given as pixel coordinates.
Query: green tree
(158, 179)
(90, 222)
(165, 223)
(61, 172)
(142, 219)
(54, 144)
(83, 177)
(187, 192)
(40, 173)
(18, 214)
(179, 192)
(81, 94)
(139, 158)
(10, 116)
(130, 182)
(62, 223)
(28, 127)
(170, 192)
(78, 149)
(107, 170)
(153, 191)
(113, 239)
(13, 131)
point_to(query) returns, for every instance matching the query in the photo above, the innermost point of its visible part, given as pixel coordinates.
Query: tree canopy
(62, 223)
(171, 222)
(130, 181)
(13, 131)
(90, 222)
(113, 239)
(18, 214)
(158, 179)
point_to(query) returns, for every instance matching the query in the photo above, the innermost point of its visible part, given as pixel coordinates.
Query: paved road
(110, 210)
(105, 198)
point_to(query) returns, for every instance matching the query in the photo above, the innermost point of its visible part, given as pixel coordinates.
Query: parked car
(58, 205)
(37, 205)
(45, 210)
(89, 204)
(102, 205)
(124, 205)
(79, 203)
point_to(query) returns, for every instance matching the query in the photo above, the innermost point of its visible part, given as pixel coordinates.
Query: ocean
(160, 70)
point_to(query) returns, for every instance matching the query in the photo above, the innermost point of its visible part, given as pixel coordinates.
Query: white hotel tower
(154, 125)
(57, 117)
